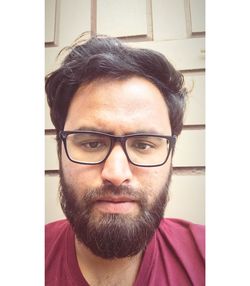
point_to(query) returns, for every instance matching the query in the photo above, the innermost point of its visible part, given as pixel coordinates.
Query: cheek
(153, 180)
(157, 176)
(68, 167)
(79, 176)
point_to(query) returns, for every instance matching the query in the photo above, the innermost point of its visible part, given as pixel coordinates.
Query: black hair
(106, 57)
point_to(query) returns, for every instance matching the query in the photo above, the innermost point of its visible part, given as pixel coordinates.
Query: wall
(176, 28)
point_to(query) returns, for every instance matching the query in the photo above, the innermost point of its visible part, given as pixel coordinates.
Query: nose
(116, 169)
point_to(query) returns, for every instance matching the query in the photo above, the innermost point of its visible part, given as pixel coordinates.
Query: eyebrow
(108, 131)
(94, 129)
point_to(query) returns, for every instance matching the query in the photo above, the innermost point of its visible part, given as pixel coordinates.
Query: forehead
(119, 107)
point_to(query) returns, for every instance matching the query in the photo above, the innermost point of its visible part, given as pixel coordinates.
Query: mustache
(94, 194)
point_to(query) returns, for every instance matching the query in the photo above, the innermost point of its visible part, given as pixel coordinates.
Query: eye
(92, 145)
(145, 144)
(142, 145)
(87, 143)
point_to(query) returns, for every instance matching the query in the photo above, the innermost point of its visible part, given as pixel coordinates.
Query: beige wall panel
(190, 149)
(51, 160)
(52, 206)
(195, 111)
(121, 18)
(185, 54)
(51, 62)
(169, 20)
(187, 198)
(75, 18)
(48, 123)
(50, 20)
(197, 8)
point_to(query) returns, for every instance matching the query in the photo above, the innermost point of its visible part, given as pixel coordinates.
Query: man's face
(115, 200)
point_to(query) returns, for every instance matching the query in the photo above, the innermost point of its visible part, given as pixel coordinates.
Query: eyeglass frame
(122, 140)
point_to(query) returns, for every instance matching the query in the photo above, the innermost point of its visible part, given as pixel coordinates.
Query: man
(117, 113)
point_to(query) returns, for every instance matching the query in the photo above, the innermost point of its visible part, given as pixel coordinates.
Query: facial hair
(112, 235)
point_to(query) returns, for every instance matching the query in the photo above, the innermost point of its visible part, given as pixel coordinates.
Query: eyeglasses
(91, 148)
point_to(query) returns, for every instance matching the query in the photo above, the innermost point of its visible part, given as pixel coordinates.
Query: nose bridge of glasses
(118, 139)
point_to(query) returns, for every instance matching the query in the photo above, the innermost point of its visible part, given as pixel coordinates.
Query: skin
(117, 107)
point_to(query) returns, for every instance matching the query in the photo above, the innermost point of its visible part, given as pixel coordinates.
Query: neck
(100, 271)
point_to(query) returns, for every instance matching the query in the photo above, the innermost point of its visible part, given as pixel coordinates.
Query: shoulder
(55, 233)
(175, 255)
(181, 225)
(59, 250)
(55, 228)
(181, 232)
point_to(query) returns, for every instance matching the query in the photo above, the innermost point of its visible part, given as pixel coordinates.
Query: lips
(116, 199)
(116, 204)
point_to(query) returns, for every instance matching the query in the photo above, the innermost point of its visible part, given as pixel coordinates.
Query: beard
(113, 235)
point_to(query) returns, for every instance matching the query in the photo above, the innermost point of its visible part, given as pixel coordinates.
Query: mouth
(116, 204)
(116, 199)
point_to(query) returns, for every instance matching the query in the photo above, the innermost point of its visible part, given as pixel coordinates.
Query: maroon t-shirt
(175, 256)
